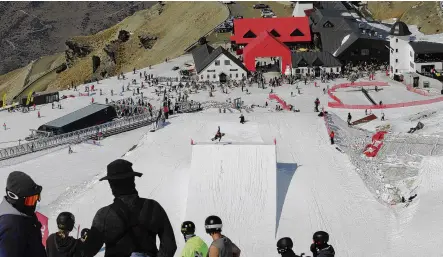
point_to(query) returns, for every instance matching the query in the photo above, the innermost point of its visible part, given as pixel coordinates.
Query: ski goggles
(32, 200)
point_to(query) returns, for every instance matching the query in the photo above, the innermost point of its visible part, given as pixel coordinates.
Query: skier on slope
(320, 247)
(218, 135)
(60, 244)
(349, 118)
(284, 247)
(316, 103)
(221, 246)
(194, 246)
(242, 119)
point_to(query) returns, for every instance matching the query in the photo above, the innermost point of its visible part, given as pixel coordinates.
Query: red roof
(288, 29)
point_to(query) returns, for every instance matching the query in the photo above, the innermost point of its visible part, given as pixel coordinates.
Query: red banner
(45, 231)
(279, 100)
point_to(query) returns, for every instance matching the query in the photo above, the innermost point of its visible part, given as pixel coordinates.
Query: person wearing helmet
(195, 246)
(222, 246)
(60, 244)
(20, 230)
(320, 247)
(284, 247)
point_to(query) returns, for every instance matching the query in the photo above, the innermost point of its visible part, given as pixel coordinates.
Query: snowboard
(222, 135)
(340, 150)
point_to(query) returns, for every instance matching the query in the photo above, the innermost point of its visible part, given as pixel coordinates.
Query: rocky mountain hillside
(427, 15)
(29, 30)
(145, 38)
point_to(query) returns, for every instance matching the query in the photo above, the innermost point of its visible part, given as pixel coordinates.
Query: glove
(313, 249)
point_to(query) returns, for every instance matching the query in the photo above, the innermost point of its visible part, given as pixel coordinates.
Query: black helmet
(284, 244)
(320, 237)
(188, 228)
(66, 221)
(213, 224)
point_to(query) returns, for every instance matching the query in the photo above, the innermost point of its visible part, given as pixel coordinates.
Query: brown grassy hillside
(426, 15)
(179, 25)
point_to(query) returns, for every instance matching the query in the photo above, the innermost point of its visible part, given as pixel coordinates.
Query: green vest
(193, 245)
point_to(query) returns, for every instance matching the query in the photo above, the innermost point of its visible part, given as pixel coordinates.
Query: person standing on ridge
(20, 230)
(320, 247)
(130, 225)
(60, 244)
(331, 136)
(349, 119)
(284, 247)
(195, 246)
(222, 246)
(242, 119)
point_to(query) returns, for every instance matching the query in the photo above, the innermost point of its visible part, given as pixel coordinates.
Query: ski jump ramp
(236, 182)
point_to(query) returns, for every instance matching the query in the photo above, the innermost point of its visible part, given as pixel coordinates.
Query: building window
(227, 62)
(410, 53)
(396, 60)
(207, 76)
(297, 71)
(217, 62)
(411, 64)
(242, 75)
(202, 76)
(396, 50)
(230, 75)
(236, 75)
(396, 71)
(364, 51)
(396, 40)
(337, 69)
(213, 76)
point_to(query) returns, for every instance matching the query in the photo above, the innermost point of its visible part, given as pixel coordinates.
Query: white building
(407, 55)
(316, 63)
(217, 65)
(300, 8)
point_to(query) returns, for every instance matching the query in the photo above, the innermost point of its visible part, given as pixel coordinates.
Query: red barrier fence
(339, 104)
(280, 101)
(417, 91)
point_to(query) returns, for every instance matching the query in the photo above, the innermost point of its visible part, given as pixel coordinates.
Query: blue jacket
(20, 234)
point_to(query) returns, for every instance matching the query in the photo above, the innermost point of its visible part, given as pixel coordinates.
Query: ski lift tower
(237, 103)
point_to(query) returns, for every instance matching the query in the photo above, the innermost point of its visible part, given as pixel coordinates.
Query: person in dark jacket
(131, 224)
(20, 230)
(60, 244)
(284, 247)
(320, 247)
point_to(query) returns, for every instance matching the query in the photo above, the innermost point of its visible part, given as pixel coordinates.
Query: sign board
(45, 231)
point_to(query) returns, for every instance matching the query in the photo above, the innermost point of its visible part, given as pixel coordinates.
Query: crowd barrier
(280, 101)
(339, 104)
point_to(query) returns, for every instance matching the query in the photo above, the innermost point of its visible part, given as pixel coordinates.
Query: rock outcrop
(76, 50)
(147, 41)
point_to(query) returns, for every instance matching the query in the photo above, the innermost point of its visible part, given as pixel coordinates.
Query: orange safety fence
(339, 104)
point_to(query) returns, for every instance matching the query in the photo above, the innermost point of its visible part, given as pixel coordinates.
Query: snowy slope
(236, 182)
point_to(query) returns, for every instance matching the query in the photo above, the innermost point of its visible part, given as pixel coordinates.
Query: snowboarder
(194, 246)
(221, 246)
(4, 125)
(349, 118)
(70, 150)
(131, 224)
(284, 247)
(317, 103)
(38, 114)
(60, 244)
(20, 229)
(218, 135)
(242, 119)
(331, 136)
(320, 247)
(382, 116)
(324, 91)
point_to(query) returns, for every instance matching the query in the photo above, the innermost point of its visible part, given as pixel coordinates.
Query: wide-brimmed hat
(120, 169)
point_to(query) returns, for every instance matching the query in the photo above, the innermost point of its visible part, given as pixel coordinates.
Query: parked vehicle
(260, 6)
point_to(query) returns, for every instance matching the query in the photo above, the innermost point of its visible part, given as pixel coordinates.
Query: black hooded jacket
(57, 246)
(107, 226)
(325, 252)
(289, 253)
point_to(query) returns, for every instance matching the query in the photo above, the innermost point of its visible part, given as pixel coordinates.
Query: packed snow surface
(238, 183)
(316, 187)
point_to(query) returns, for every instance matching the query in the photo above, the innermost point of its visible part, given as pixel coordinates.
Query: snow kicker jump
(236, 182)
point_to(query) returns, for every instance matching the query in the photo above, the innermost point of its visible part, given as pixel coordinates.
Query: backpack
(135, 234)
